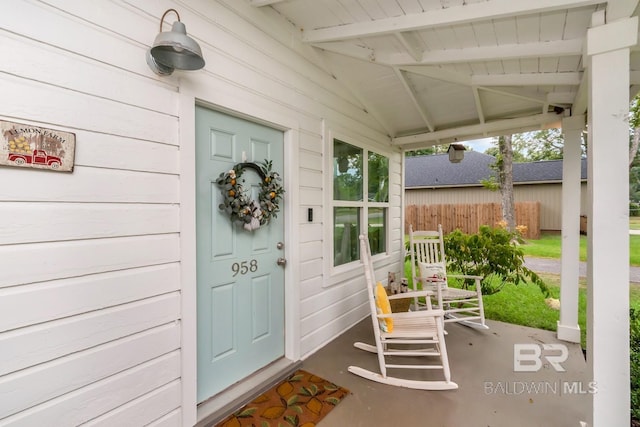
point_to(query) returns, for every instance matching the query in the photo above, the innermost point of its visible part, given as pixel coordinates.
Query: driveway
(549, 265)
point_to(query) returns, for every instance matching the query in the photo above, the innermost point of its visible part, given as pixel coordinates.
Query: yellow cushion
(384, 307)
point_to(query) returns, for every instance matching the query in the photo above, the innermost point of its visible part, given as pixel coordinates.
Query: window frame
(336, 274)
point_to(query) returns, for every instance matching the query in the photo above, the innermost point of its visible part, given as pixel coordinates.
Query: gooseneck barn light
(174, 50)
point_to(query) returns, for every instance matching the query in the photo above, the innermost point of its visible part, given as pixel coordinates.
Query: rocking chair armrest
(409, 314)
(412, 294)
(431, 279)
(465, 276)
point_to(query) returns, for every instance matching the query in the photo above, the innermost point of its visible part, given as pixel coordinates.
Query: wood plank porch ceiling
(435, 71)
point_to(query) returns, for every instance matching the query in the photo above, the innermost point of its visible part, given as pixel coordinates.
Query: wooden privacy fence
(469, 217)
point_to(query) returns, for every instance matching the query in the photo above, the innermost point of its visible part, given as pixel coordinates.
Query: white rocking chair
(459, 305)
(416, 334)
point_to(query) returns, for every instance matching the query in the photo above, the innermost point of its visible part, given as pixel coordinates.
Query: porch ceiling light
(456, 153)
(174, 50)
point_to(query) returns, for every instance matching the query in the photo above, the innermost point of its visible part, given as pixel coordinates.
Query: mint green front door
(240, 285)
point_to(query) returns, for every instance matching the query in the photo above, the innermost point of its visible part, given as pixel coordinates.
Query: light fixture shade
(174, 50)
(177, 50)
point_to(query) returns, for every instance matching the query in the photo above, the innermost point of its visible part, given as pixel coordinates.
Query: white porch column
(568, 328)
(608, 220)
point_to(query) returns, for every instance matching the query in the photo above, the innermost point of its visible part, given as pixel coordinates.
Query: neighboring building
(431, 180)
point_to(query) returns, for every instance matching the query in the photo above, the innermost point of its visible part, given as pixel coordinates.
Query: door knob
(281, 262)
(279, 245)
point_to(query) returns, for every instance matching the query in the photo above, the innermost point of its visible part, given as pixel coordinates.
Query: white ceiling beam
(488, 128)
(581, 100)
(479, 109)
(423, 113)
(349, 49)
(529, 79)
(475, 54)
(617, 9)
(497, 53)
(519, 94)
(260, 3)
(488, 80)
(438, 73)
(415, 53)
(487, 134)
(441, 17)
(555, 98)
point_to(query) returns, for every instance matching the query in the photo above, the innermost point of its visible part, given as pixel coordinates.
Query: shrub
(492, 253)
(634, 346)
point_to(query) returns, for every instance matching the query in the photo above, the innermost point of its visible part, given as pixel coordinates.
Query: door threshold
(216, 408)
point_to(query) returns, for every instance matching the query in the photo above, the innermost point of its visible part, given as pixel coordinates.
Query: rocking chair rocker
(412, 334)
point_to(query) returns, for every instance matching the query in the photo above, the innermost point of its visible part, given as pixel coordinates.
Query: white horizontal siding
(38, 384)
(90, 288)
(81, 36)
(41, 343)
(38, 262)
(30, 222)
(328, 301)
(117, 152)
(173, 418)
(89, 185)
(61, 106)
(90, 293)
(72, 71)
(144, 409)
(78, 407)
(56, 299)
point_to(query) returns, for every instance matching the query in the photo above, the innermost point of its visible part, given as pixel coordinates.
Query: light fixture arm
(165, 14)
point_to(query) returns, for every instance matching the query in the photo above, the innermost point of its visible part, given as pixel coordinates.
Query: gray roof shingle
(437, 171)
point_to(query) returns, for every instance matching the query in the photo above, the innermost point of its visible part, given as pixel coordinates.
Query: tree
(503, 167)
(547, 144)
(544, 144)
(634, 162)
(504, 164)
(435, 149)
(634, 123)
(519, 146)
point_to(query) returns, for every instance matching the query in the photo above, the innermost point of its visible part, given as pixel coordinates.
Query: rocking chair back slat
(429, 270)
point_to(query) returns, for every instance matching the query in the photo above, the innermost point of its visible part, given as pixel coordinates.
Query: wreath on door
(240, 206)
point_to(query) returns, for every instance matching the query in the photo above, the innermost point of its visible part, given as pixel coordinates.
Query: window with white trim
(360, 201)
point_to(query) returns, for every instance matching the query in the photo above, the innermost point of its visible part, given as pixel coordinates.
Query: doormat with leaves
(301, 400)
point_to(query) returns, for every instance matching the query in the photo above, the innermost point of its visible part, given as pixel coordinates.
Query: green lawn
(549, 246)
(525, 305)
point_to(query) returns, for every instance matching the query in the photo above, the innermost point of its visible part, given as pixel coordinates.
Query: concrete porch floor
(490, 393)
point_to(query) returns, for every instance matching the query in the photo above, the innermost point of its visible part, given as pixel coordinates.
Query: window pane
(378, 178)
(377, 232)
(347, 171)
(346, 223)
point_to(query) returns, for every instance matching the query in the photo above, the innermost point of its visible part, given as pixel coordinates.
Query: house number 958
(244, 267)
